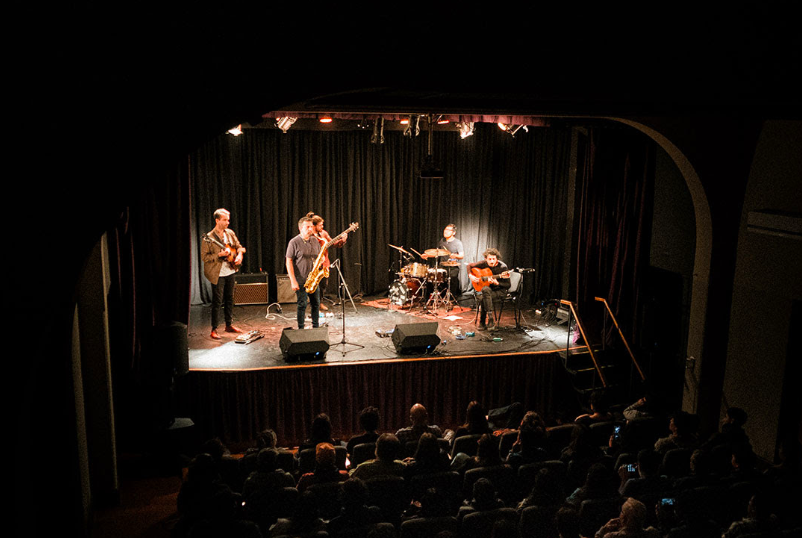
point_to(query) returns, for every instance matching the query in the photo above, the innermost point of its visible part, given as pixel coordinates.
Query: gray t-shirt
(303, 255)
(455, 246)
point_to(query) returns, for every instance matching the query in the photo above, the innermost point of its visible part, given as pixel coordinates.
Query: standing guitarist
(487, 275)
(324, 237)
(222, 257)
(302, 251)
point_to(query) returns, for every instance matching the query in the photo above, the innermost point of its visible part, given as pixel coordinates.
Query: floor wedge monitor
(416, 337)
(304, 344)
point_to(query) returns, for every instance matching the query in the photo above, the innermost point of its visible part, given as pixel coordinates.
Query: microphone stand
(342, 289)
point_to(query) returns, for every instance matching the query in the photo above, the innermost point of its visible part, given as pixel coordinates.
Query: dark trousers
(490, 301)
(223, 294)
(312, 299)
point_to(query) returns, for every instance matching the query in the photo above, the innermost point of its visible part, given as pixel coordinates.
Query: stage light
(285, 123)
(442, 121)
(378, 132)
(465, 129)
(236, 131)
(413, 126)
(512, 129)
(325, 119)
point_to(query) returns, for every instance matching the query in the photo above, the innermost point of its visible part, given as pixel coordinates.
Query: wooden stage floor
(352, 334)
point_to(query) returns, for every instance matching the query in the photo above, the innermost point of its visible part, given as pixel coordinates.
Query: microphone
(524, 270)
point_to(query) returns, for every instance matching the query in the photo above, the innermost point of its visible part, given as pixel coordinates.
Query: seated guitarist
(487, 276)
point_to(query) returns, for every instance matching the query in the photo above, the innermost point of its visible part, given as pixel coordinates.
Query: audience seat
(676, 463)
(601, 431)
(505, 443)
(527, 474)
(328, 498)
(467, 444)
(538, 522)
(501, 476)
(593, 513)
(376, 529)
(428, 527)
(362, 453)
(480, 524)
(560, 436)
(448, 484)
(390, 494)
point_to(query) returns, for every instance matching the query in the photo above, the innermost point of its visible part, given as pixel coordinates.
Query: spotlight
(465, 129)
(413, 126)
(378, 132)
(285, 123)
(236, 131)
(442, 121)
(325, 118)
(512, 129)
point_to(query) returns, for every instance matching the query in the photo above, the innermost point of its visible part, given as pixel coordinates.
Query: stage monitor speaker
(171, 347)
(250, 288)
(284, 290)
(304, 344)
(416, 337)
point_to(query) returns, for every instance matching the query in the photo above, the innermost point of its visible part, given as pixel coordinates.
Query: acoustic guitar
(484, 275)
(232, 253)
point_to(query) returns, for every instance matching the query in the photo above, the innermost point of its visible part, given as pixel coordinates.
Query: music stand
(342, 289)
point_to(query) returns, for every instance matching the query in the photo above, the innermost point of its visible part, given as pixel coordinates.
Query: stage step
(615, 365)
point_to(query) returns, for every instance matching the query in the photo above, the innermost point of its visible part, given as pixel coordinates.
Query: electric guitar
(232, 254)
(484, 275)
(321, 269)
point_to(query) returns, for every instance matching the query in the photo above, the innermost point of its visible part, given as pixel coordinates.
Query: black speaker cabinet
(304, 344)
(416, 337)
(250, 288)
(171, 347)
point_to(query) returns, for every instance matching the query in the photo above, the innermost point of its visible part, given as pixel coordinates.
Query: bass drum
(402, 292)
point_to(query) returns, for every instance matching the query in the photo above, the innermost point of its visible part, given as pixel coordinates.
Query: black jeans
(314, 300)
(490, 301)
(223, 294)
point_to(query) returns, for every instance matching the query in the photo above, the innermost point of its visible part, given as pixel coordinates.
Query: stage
(234, 390)
(353, 333)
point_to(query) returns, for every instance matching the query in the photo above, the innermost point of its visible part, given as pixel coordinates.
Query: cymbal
(449, 264)
(401, 249)
(436, 252)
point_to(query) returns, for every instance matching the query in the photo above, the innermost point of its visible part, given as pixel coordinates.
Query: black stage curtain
(503, 192)
(615, 199)
(237, 405)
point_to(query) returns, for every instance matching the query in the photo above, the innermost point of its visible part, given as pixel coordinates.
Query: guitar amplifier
(251, 288)
(284, 290)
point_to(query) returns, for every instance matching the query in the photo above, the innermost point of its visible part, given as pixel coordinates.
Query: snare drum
(402, 292)
(436, 275)
(414, 270)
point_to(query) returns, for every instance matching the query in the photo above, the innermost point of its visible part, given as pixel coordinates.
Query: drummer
(451, 262)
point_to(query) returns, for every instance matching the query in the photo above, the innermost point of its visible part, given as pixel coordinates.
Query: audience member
(683, 434)
(647, 407)
(701, 472)
(599, 412)
(744, 465)
(325, 468)
(266, 439)
(648, 481)
(629, 524)
(567, 522)
(732, 429)
(264, 482)
(475, 422)
(504, 528)
(505, 418)
(692, 520)
(759, 519)
(419, 419)
(599, 484)
(530, 446)
(386, 463)
(197, 491)
(369, 422)
(227, 466)
(484, 498)
(304, 522)
(321, 432)
(546, 491)
(428, 458)
(355, 510)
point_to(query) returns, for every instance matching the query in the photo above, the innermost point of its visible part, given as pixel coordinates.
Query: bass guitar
(231, 257)
(484, 275)
(321, 269)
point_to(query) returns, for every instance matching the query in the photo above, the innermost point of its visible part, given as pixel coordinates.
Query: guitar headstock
(353, 226)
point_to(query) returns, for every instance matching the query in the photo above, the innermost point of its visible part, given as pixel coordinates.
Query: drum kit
(418, 284)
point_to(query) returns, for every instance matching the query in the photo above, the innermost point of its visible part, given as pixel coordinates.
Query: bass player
(222, 257)
(492, 278)
(302, 251)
